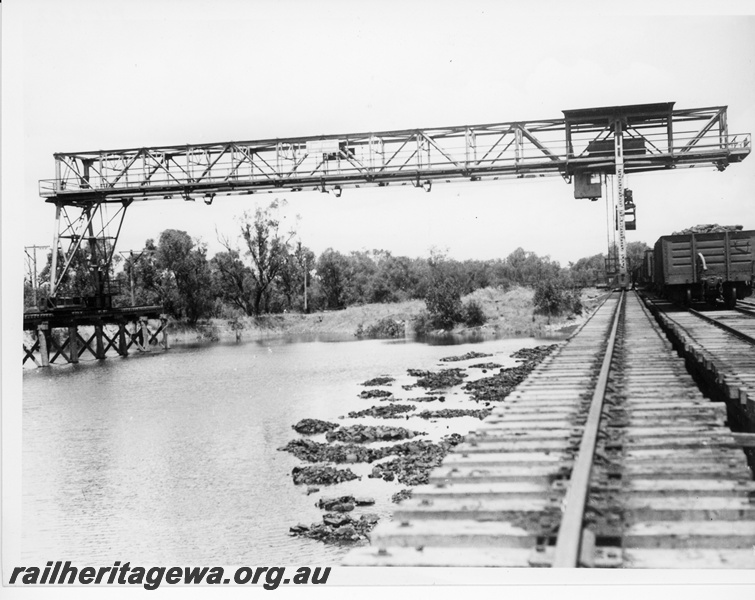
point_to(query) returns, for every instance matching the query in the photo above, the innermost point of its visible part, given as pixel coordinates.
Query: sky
(103, 75)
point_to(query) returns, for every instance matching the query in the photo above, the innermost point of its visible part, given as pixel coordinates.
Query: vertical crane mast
(621, 225)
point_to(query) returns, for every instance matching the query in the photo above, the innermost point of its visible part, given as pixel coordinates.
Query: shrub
(443, 302)
(552, 299)
(384, 328)
(422, 323)
(473, 314)
(575, 302)
(549, 298)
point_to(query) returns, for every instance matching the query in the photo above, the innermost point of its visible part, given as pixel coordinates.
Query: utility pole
(303, 260)
(130, 254)
(305, 289)
(33, 258)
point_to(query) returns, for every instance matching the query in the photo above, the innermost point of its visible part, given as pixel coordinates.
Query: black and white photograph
(328, 295)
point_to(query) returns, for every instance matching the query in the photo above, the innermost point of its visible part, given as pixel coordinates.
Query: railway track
(740, 323)
(722, 342)
(746, 308)
(608, 455)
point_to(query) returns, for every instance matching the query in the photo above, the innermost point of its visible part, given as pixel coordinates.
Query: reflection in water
(172, 457)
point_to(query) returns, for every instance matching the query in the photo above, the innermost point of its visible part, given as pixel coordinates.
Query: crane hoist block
(587, 185)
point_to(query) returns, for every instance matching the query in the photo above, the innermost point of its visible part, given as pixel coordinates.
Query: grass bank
(509, 313)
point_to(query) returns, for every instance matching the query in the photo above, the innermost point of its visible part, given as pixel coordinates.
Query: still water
(171, 458)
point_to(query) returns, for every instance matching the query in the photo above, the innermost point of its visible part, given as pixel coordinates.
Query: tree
(443, 297)
(552, 298)
(140, 270)
(474, 315)
(549, 298)
(592, 269)
(332, 273)
(267, 248)
(29, 296)
(77, 281)
(527, 268)
(232, 280)
(393, 280)
(185, 279)
(477, 275)
(588, 270)
(360, 273)
(636, 254)
(304, 259)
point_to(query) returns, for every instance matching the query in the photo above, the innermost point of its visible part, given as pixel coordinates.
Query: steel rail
(727, 328)
(746, 310)
(570, 530)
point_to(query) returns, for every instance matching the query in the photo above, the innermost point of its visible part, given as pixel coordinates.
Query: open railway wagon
(705, 266)
(643, 275)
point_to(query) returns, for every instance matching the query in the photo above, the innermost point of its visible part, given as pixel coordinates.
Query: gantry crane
(587, 147)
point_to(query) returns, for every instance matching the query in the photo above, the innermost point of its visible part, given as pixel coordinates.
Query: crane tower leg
(55, 244)
(623, 280)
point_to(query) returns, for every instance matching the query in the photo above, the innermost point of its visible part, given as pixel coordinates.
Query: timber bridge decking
(608, 455)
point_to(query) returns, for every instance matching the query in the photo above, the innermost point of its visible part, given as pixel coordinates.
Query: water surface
(172, 458)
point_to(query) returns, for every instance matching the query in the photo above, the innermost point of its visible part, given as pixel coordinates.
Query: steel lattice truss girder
(577, 143)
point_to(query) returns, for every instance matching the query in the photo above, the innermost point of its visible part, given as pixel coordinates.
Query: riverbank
(509, 314)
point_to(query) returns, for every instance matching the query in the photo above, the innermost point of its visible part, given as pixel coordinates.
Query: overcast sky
(102, 75)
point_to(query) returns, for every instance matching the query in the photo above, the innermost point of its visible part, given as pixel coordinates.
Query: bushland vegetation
(264, 269)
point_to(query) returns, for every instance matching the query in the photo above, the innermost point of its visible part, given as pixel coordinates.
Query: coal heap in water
(313, 426)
